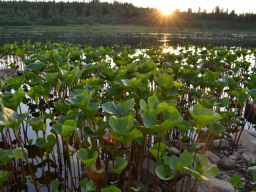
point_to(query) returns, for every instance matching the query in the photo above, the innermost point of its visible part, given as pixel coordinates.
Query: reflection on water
(133, 39)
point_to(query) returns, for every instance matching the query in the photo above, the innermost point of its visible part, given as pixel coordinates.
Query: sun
(165, 10)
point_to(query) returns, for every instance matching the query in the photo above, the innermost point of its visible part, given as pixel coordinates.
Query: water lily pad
(120, 163)
(87, 156)
(122, 126)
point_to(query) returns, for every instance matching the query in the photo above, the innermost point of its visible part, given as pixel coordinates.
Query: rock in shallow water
(213, 185)
(220, 143)
(248, 140)
(226, 164)
(249, 158)
(212, 157)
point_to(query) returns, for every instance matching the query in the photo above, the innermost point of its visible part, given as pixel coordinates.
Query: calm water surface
(133, 39)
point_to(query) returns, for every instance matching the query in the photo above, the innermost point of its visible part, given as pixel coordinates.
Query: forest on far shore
(25, 13)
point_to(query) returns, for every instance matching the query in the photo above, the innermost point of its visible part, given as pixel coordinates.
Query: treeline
(21, 13)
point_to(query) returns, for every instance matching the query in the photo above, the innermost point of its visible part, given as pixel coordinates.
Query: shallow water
(133, 39)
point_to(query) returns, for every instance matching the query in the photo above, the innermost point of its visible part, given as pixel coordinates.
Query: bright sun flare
(166, 10)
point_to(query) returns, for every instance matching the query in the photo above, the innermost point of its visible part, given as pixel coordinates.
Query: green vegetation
(111, 109)
(26, 13)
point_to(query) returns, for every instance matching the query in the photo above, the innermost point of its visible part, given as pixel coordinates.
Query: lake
(96, 39)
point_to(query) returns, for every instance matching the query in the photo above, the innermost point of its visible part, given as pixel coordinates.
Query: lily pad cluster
(108, 109)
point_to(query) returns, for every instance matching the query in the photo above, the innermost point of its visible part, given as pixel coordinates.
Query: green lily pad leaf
(184, 126)
(161, 107)
(149, 119)
(173, 162)
(18, 153)
(37, 123)
(224, 102)
(33, 94)
(236, 181)
(3, 177)
(87, 156)
(212, 75)
(143, 105)
(216, 128)
(33, 80)
(111, 189)
(55, 185)
(4, 156)
(203, 116)
(186, 158)
(88, 185)
(37, 68)
(93, 109)
(152, 103)
(80, 98)
(132, 84)
(10, 118)
(171, 118)
(47, 145)
(241, 95)
(121, 109)
(253, 94)
(206, 103)
(44, 90)
(121, 163)
(62, 107)
(162, 150)
(16, 82)
(146, 66)
(163, 172)
(165, 82)
(122, 126)
(253, 175)
(71, 115)
(133, 135)
(70, 77)
(66, 129)
(230, 83)
(12, 101)
(210, 173)
(51, 78)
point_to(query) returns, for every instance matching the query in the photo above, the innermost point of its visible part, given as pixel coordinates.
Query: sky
(240, 6)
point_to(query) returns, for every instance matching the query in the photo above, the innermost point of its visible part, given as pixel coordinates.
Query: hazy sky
(240, 6)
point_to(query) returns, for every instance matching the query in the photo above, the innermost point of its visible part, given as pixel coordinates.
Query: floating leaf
(12, 101)
(88, 185)
(122, 126)
(203, 116)
(121, 109)
(10, 118)
(16, 82)
(162, 150)
(36, 67)
(87, 156)
(165, 82)
(149, 119)
(210, 173)
(216, 128)
(121, 163)
(65, 129)
(111, 189)
(47, 145)
(55, 185)
(4, 156)
(37, 123)
(186, 158)
(18, 153)
(164, 172)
